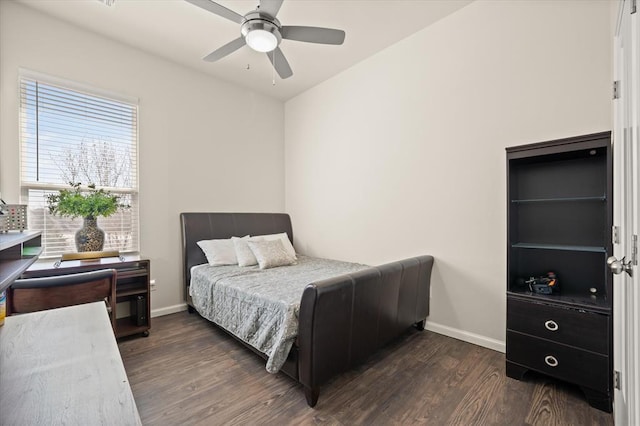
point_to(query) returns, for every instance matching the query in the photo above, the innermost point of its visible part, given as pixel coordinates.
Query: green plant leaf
(84, 203)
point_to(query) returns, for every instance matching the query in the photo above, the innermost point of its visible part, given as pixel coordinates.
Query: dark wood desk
(132, 288)
(62, 366)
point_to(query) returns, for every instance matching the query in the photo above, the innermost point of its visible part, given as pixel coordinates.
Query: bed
(341, 319)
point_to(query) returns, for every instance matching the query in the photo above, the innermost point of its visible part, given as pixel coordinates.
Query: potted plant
(88, 204)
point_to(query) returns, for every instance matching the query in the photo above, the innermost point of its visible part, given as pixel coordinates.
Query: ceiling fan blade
(270, 7)
(218, 10)
(280, 63)
(223, 51)
(313, 34)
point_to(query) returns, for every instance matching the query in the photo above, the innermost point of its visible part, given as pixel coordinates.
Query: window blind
(69, 135)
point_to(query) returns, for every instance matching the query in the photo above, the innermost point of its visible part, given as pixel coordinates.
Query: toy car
(547, 284)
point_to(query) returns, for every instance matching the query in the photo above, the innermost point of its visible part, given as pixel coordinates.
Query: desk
(132, 288)
(62, 366)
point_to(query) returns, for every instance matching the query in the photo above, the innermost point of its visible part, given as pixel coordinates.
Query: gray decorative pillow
(271, 253)
(285, 242)
(243, 252)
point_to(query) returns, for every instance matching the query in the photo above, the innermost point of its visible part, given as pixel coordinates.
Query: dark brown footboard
(344, 320)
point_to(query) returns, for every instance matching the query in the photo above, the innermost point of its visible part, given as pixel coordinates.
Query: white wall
(197, 146)
(403, 154)
(400, 155)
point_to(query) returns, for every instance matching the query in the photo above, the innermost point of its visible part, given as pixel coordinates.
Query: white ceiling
(183, 33)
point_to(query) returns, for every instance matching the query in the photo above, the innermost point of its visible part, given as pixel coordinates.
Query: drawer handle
(551, 325)
(551, 361)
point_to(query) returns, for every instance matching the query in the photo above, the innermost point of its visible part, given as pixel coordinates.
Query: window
(73, 134)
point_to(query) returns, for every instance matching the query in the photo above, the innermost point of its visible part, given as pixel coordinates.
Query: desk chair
(39, 294)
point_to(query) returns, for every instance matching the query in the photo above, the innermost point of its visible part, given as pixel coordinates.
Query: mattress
(261, 307)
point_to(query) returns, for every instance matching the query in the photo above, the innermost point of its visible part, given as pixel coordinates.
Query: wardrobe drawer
(584, 330)
(577, 366)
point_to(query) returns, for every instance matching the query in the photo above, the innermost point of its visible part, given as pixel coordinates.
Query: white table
(62, 366)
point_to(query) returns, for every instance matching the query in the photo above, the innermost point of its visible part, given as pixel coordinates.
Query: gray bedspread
(260, 306)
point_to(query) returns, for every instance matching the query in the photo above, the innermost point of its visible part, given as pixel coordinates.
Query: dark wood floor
(189, 372)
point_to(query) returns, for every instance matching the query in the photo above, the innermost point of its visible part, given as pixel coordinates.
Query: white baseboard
(476, 339)
(168, 310)
(456, 333)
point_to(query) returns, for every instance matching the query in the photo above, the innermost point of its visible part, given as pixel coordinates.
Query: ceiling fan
(262, 32)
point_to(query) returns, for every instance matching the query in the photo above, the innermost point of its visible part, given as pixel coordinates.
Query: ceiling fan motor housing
(255, 21)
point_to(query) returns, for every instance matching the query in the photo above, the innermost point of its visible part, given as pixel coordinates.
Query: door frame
(626, 289)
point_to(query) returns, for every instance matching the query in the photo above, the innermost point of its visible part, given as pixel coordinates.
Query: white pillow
(285, 242)
(271, 253)
(243, 252)
(219, 252)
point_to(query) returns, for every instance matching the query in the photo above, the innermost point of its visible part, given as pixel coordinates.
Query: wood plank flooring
(188, 372)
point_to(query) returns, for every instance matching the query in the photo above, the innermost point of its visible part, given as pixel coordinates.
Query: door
(626, 290)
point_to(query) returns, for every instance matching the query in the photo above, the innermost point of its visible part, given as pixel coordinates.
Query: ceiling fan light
(261, 40)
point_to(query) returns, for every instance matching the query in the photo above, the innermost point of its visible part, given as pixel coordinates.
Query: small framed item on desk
(88, 256)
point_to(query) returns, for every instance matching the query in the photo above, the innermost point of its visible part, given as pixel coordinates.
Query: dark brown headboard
(209, 226)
